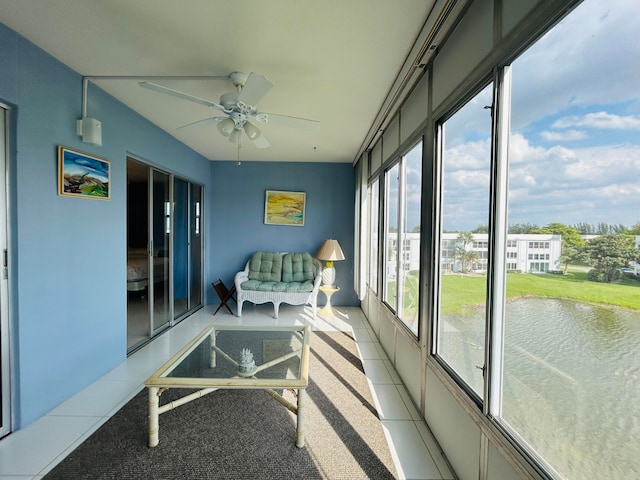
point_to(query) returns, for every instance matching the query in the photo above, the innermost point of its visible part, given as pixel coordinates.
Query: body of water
(571, 381)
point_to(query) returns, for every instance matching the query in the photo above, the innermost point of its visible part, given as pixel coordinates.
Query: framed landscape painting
(284, 208)
(83, 175)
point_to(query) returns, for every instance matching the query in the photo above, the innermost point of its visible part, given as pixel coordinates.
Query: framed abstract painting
(83, 175)
(284, 208)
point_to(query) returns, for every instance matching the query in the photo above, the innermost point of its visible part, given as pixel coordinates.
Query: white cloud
(587, 59)
(469, 155)
(465, 180)
(565, 136)
(602, 120)
(556, 184)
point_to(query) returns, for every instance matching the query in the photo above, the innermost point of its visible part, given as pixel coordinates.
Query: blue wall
(68, 255)
(236, 219)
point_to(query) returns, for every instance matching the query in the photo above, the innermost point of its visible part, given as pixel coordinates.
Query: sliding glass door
(195, 232)
(160, 253)
(164, 251)
(187, 247)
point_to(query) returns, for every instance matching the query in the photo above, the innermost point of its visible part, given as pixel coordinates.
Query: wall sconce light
(90, 130)
(329, 252)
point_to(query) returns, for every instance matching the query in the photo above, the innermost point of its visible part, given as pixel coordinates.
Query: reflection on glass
(374, 198)
(572, 326)
(409, 255)
(391, 235)
(138, 286)
(180, 247)
(465, 163)
(196, 247)
(159, 294)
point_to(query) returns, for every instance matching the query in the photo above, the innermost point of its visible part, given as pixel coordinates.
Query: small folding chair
(224, 294)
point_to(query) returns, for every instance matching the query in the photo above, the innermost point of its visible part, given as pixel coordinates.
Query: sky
(574, 148)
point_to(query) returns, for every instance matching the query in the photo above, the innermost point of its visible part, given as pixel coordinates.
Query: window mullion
(498, 237)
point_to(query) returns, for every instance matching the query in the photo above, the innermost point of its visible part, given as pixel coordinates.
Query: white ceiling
(331, 60)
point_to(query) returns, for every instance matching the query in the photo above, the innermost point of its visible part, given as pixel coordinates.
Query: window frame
(439, 130)
(401, 241)
(373, 264)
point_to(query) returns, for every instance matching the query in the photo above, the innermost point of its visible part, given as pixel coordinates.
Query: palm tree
(466, 256)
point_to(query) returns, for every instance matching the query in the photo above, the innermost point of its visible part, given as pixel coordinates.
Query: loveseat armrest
(318, 271)
(241, 277)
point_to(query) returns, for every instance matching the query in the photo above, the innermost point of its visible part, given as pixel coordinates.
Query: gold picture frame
(83, 175)
(284, 208)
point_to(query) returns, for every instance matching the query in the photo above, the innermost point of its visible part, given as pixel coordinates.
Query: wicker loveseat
(292, 278)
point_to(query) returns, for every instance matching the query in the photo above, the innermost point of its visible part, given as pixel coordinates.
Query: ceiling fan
(239, 107)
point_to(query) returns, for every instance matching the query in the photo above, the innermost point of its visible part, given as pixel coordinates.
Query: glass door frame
(166, 214)
(191, 236)
(5, 352)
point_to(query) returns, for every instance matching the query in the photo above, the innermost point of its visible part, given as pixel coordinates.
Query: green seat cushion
(259, 286)
(299, 286)
(277, 286)
(250, 284)
(280, 287)
(297, 267)
(266, 267)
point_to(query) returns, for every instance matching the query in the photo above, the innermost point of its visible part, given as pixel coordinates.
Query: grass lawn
(459, 291)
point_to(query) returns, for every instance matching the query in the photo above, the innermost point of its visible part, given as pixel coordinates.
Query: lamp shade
(330, 250)
(252, 131)
(226, 126)
(234, 136)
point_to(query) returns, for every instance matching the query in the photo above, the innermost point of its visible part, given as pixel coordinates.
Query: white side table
(327, 311)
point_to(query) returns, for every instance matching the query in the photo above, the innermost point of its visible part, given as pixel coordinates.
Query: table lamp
(329, 252)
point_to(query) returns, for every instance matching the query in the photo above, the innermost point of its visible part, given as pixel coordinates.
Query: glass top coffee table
(226, 356)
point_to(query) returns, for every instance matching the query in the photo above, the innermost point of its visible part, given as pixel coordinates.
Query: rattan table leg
(154, 424)
(302, 406)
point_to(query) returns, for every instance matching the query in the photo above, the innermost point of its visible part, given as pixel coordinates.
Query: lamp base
(328, 275)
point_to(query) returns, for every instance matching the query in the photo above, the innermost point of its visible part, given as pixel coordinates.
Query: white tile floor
(31, 452)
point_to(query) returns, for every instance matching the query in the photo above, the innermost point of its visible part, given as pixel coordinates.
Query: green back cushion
(297, 267)
(266, 267)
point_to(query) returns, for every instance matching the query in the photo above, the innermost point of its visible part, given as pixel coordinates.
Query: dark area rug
(245, 434)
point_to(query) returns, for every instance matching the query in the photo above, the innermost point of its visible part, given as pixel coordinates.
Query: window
(465, 139)
(403, 199)
(564, 382)
(570, 372)
(411, 198)
(392, 187)
(374, 197)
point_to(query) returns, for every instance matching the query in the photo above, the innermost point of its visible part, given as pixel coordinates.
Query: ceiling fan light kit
(252, 131)
(239, 106)
(235, 136)
(226, 126)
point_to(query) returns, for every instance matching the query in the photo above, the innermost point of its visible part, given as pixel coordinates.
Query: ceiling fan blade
(287, 121)
(202, 123)
(254, 89)
(175, 93)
